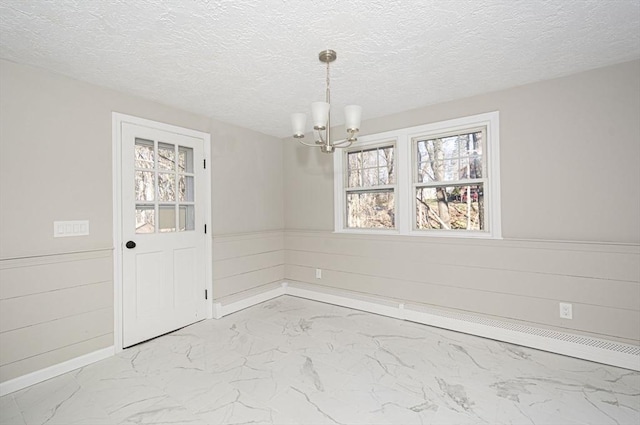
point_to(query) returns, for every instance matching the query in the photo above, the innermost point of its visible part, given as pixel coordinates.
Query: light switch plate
(63, 229)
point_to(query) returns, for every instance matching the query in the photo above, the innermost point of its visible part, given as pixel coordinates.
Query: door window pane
(144, 157)
(167, 222)
(145, 219)
(145, 188)
(185, 159)
(187, 217)
(166, 187)
(185, 188)
(166, 156)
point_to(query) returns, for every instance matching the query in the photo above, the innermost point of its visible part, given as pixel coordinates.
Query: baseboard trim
(343, 299)
(32, 378)
(221, 309)
(583, 347)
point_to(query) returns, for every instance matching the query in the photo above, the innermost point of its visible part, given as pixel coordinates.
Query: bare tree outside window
(449, 188)
(370, 192)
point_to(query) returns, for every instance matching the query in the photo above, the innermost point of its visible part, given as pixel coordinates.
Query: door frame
(116, 157)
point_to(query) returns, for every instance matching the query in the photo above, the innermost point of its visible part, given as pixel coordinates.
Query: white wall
(570, 149)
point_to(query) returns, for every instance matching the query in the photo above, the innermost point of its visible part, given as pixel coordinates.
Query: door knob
(130, 244)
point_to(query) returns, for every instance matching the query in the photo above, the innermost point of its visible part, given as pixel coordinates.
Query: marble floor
(294, 361)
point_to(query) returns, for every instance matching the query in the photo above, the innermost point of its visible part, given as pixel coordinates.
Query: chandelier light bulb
(320, 113)
(298, 122)
(352, 117)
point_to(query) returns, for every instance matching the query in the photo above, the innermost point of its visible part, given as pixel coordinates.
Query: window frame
(405, 163)
(415, 184)
(378, 142)
(342, 189)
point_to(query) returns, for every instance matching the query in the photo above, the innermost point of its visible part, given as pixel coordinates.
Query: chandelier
(321, 113)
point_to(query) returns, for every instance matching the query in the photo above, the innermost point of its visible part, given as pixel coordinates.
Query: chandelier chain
(328, 93)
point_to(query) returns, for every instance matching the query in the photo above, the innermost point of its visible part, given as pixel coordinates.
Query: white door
(163, 232)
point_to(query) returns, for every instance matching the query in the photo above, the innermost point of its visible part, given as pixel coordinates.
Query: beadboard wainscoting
(513, 280)
(501, 289)
(244, 261)
(54, 309)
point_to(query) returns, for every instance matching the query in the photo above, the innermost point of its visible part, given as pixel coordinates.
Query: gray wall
(570, 205)
(56, 299)
(248, 218)
(56, 294)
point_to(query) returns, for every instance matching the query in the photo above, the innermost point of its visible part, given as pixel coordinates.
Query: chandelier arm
(322, 139)
(308, 144)
(343, 143)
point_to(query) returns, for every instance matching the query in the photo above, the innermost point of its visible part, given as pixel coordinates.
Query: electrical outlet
(566, 311)
(318, 273)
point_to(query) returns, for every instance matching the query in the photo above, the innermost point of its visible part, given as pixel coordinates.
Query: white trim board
(582, 347)
(41, 375)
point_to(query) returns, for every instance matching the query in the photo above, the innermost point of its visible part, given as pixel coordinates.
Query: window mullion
(381, 188)
(404, 172)
(466, 182)
(339, 184)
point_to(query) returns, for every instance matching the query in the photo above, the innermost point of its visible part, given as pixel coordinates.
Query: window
(439, 179)
(448, 184)
(370, 188)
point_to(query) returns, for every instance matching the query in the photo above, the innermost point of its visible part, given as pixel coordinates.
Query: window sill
(444, 234)
(453, 234)
(368, 232)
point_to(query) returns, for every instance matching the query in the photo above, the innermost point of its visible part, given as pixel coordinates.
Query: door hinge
(206, 294)
(204, 162)
(205, 229)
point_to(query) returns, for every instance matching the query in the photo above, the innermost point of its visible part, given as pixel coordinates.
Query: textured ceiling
(252, 63)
